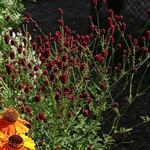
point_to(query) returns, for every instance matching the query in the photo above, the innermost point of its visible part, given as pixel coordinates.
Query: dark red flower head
(99, 58)
(57, 96)
(39, 38)
(64, 77)
(148, 13)
(57, 148)
(90, 147)
(9, 68)
(61, 22)
(61, 11)
(28, 109)
(86, 112)
(37, 98)
(27, 89)
(111, 13)
(7, 39)
(45, 72)
(40, 116)
(94, 2)
(12, 54)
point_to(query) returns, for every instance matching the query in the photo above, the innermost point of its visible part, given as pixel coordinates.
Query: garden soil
(45, 12)
(76, 12)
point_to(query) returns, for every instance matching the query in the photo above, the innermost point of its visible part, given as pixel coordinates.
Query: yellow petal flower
(16, 142)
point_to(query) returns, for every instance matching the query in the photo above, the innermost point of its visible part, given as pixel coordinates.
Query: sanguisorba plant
(64, 82)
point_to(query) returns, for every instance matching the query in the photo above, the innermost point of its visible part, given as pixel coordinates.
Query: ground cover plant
(64, 83)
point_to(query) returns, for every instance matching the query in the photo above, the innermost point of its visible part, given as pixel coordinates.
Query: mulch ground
(45, 12)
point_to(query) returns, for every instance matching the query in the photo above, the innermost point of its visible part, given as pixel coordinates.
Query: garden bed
(76, 16)
(62, 68)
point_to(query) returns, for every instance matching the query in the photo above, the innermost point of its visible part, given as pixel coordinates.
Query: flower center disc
(11, 115)
(15, 141)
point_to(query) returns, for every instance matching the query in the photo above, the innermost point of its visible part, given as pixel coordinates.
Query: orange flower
(11, 123)
(16, 142)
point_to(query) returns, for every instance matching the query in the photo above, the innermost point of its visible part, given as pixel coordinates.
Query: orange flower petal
(20, 128)
(23, 121)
